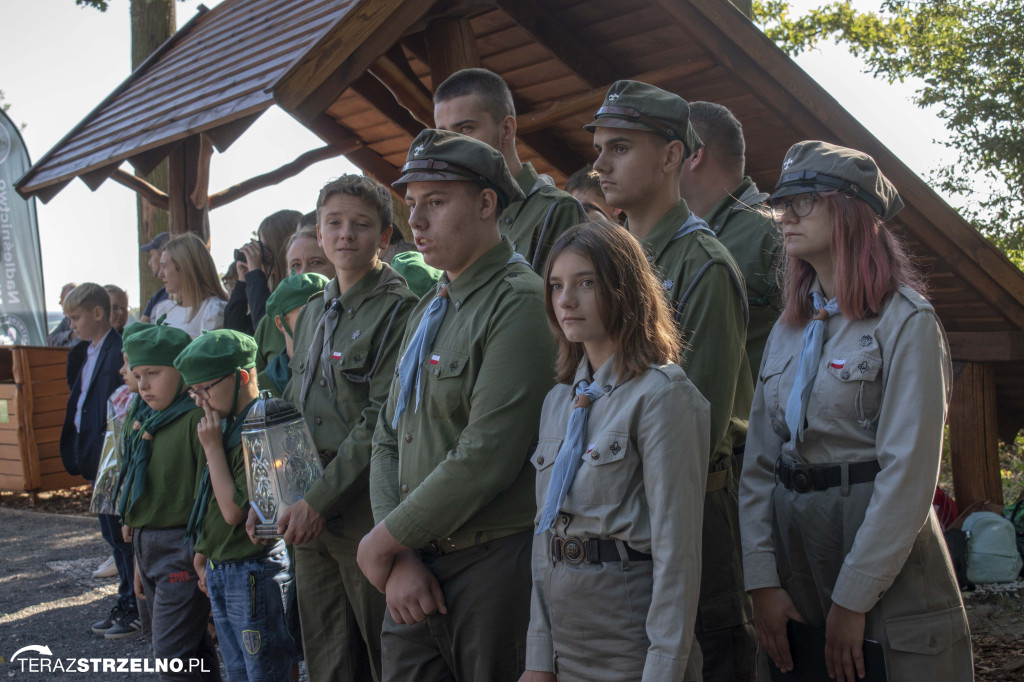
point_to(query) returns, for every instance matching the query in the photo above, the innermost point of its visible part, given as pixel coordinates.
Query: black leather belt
(804, 478)
(578, 551)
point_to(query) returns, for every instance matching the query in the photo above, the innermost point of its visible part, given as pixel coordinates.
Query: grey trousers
(919, 621)
(175, 612)
(483, 635)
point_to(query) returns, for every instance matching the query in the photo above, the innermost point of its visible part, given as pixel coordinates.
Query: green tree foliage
(968, 55)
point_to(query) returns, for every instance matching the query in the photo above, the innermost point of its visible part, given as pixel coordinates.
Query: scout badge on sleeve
(281, 462)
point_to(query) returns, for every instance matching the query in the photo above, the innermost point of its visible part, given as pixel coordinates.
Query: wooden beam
(451, 47)
(555, 151)
(150, 193)
(561, 40)
(1004, 346)
(553, 112)
(369, 161)
(344, 53)
(374, 92)
(273, 177)
(182, 172)
(407, 91)
(201, 188)
(973, 440)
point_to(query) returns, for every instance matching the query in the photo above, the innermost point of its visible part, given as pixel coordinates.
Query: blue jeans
(247, 598)
(110, 528)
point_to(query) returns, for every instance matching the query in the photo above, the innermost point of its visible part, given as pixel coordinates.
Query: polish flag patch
(435, 359)
(837, 363)
(336, 355)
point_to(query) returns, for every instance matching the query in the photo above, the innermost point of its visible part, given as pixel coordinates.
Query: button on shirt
(464, 452)
(641, 481)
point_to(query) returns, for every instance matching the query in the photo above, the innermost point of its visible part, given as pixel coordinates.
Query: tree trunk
(153, 22)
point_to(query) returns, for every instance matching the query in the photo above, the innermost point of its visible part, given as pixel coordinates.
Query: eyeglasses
(801, 205)
(204, 391)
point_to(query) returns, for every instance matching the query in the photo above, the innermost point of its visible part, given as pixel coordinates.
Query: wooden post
(973, 442)
(184, 176)
(451, 46)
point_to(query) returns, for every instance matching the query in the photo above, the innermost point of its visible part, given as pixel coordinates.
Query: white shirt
(87, 371)
(210, 315)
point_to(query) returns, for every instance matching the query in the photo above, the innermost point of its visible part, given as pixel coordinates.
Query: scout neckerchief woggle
(231, 427)
(320, 347)
(567, 462)
(810, 356)
(421, 343)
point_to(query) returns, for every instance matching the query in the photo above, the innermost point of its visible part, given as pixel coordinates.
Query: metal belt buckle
(573, 551)
(800, 479)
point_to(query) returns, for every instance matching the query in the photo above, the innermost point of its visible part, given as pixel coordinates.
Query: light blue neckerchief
(692, 224)
(421, 343)
(810, 356)
(567, 462)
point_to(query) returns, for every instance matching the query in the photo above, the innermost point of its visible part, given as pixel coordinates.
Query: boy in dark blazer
(94, 365)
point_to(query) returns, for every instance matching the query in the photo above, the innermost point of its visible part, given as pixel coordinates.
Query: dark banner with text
(22, 309)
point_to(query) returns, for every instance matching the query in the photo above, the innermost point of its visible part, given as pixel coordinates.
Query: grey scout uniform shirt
(535, 223)
(370, 327)
(754, 242)
(706, 289)
(641, 481)
(881, 391)
(459, 464)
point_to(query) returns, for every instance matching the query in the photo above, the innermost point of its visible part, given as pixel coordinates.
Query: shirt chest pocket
(353, 362)
(775, 395)
(445, 380)
(543, 457)
(851, 387)
(606, 470)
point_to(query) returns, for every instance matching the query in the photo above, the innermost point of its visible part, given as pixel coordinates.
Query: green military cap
(293, 292)
(438, 155)
(133, 328)
(816, 166)
(639, 106)
(420, 277)
(155, 345)
(216, 354)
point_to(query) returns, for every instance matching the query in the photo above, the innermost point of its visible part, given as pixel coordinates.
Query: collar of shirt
(660, 236)
(478, 274)
(604, 377)
(360, 291)
(527, 178)
(721, 211)
(93, 349)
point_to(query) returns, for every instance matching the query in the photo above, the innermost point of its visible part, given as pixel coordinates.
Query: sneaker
(128, 626)
(115, 615)
(108, 569)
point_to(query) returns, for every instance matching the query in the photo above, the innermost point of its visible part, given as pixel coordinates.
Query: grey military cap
(639, 106)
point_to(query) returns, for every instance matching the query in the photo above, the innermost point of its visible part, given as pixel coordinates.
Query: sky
(60, 61)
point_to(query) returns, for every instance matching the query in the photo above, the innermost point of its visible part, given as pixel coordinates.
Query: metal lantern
(281, 461)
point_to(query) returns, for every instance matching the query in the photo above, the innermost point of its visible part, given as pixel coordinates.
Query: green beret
(420, 277)
(438, 155)
(131, 329)
(639, 106)
(815, 166)
(155, 345)
(293, 292)
(215, 354)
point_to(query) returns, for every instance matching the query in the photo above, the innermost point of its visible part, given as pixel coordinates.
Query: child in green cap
(283, 307)
(247, 583)
(157, 486)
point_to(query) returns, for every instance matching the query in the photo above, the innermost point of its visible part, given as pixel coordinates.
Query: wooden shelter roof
(360, 73)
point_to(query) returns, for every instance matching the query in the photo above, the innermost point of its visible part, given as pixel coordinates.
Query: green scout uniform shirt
(370, 327)
(533, 225)
(269, 341)
(713, 323)
(218, 540)
(754, 242)
(458, 465)
(172, 475)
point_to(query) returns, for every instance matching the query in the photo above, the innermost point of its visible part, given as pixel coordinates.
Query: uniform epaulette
(914, 298)
(519, 283)
(714, 248)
